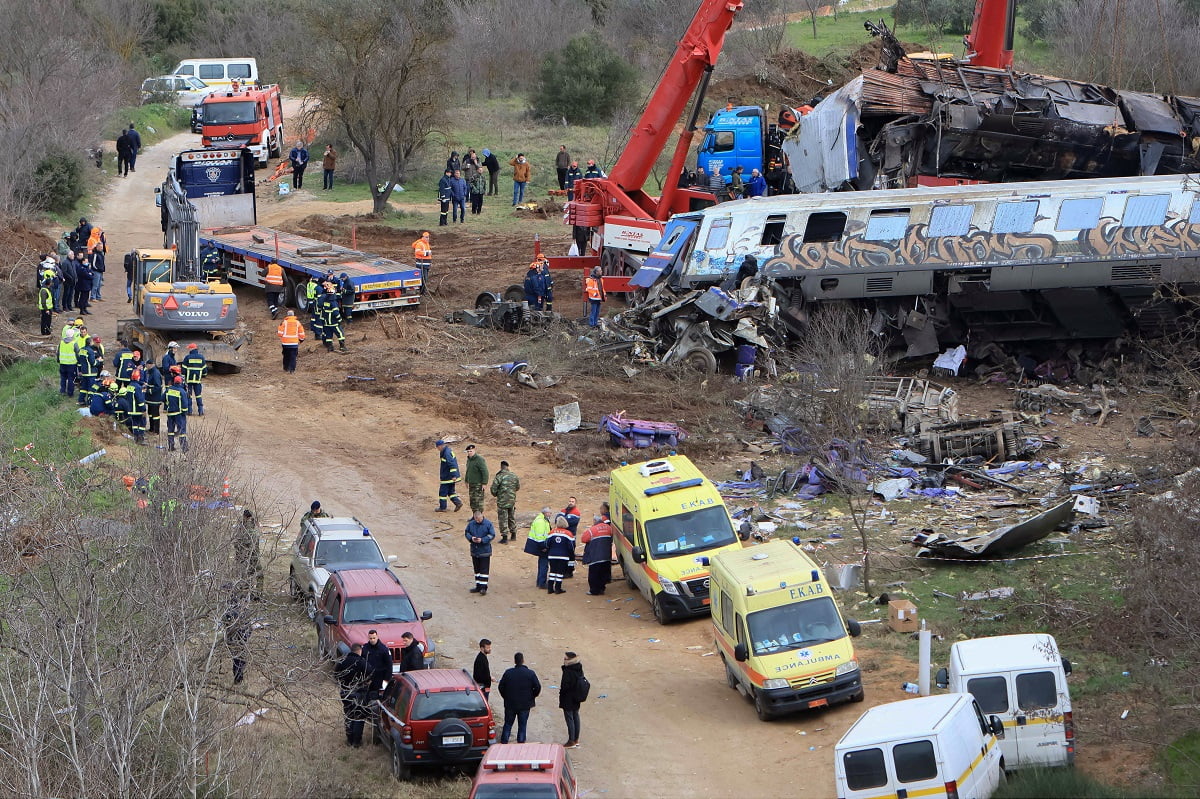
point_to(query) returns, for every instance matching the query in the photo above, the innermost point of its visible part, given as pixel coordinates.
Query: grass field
(38, 417)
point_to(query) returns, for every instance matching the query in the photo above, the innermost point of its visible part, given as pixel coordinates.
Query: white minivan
(219, 73)
(928, 746)
(1022, 679)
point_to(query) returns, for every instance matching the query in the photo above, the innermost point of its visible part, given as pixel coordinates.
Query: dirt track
(661, 720)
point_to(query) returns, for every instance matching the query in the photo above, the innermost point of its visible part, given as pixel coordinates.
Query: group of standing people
(463, 178)
(362, 672)
(519, 688)
(777, 180)
(71, 277)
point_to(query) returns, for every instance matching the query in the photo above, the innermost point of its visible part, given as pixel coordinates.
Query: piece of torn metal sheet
(1001, 541)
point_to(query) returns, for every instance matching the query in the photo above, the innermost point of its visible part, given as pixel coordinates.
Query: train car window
(1080, 214)
(773, 230)
(825, 226)
(888, 224)
(951, 220)
(1145, 209)
(1015, 217)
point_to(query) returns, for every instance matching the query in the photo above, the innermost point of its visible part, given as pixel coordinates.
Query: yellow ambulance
(781, 636)
(667, 518)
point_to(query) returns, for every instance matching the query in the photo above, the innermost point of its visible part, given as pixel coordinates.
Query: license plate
(819, 703)
(451, 740)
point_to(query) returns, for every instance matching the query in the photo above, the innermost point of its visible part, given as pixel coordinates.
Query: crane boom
(990, 42)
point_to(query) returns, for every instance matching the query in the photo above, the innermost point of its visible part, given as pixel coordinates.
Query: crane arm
(990, 42)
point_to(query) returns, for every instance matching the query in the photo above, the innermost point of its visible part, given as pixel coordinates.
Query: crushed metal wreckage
(1001, 541)
(508, 312)
(914, 117)
(640, 433)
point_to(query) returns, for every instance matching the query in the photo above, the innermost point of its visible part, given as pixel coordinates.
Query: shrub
(57, 182)
(584, 82)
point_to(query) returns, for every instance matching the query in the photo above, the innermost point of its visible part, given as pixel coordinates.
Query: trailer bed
(378, 282)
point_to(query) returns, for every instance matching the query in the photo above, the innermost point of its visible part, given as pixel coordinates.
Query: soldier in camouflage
(504, 488)
(476, 477)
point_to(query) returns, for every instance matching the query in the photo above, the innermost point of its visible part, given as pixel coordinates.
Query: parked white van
(928, 746)
(1022, 679)
(219, 73)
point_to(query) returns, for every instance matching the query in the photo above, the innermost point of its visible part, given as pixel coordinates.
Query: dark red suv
(435, 717)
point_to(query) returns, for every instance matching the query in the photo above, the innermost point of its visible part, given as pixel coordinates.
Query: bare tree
(369, 75)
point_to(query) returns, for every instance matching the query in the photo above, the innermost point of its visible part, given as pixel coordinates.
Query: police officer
(178, 404)
(194, 370)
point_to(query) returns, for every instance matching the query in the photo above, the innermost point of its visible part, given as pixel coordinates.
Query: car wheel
(702, 360)
(376, 738)
(310, 605)
(858, 697)
(628, 577)
(293, 588)
(399, 768)
(761, 707)
(730, 677)
(660, 610)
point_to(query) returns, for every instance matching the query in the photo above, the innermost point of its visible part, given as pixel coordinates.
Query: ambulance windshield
(795, 625)
(686, 533)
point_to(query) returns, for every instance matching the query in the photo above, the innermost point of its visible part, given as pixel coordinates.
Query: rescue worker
(195, 367)
(46, 305)
(273, 286)
(311, 291)
(170, 357)
(476, 477)
(87, 370)
(445, 191)
(423, 257)
(571, 512)
(124, 362)
(573, 176)
(210, 262)
(547, 283)
(560, 550)
(103, 399)
(480, 534)
(594, 287)
(152, 379)
(291, 333)
(448, 475)
(68, 362)
(178, 406)
(329, 309)
(535, 544)
(535, 286)
(597, 555)
(592, 172)
(135, 411)
(346, 298)
(505, 486)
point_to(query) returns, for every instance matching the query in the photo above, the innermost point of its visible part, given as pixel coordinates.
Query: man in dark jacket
(351, 672)
(570, 697)
(83, 284)
(68, 282)
(519, 687)
(123, 152)
(535, 286)
(135, 147)
(130, 262)
(448, 475)
(476, 477)
(562, 162)
(445, 195)
(492, 164)
(298, 157)
(572, 177)
(378, 661)
(458, 197)
(412, 653)
(83, 232)
(482, 672)
(480, 533)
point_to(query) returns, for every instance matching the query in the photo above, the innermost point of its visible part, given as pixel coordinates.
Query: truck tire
(628, 577)
(730, 678)
(762, 708)
(289, 291)
(660, 610)
(702, 360)
(275, 148)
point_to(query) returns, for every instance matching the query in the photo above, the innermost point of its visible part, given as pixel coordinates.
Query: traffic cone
(225, 489)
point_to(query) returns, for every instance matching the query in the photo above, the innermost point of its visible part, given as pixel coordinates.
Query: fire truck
(250, 117)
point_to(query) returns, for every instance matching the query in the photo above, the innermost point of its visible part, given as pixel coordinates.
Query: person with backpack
(573, 691)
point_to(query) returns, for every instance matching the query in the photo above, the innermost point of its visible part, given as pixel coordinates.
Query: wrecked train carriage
(935, 122)
(1081, 259)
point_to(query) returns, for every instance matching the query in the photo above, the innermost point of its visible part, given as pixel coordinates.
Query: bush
(585, 82)
(57, 183)
(946, 16)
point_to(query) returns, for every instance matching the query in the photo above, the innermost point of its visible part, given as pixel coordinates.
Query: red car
(525, 771)
(436, 717)
(358, 600)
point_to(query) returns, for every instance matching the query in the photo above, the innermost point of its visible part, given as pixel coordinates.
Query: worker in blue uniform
(448, 475)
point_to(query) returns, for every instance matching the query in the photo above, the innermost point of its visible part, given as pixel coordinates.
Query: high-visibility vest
(593, 289)
(274, 276)
(194, 367)
(45, 299)
(67, 354)
(421, 250)
(310, 291)
(291, 332)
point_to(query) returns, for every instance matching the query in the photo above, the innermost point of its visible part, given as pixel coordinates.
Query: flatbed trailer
(246, 251)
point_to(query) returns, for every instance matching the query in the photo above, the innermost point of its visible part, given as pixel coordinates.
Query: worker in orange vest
(423, 257)
(273, 286)
(594, 287)
(291, 333)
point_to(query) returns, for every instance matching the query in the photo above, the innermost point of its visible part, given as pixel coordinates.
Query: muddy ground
(661, 720)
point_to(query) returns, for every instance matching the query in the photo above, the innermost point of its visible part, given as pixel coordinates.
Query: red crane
(624, 221)
(990, 42)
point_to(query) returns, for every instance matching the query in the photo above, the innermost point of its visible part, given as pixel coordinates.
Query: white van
(219, 73)
(1022, 679)
(929, 746)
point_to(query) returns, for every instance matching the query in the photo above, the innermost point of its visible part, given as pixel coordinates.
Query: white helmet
(174, 345)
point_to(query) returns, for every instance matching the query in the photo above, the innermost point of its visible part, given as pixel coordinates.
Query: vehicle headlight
(775, 682)
(846, 668)
(668, 586)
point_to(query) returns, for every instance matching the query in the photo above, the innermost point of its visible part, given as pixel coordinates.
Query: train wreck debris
(640, 433)
(999, 435)
(1001, 541)
(927, 121)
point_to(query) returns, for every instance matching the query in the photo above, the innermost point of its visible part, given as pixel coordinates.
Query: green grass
(154, 122)
(35, 414)
(1181, 760)
(1064, 782)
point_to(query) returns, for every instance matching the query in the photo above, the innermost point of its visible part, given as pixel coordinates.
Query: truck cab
(247, 116)
(734, 136)
(781, 636)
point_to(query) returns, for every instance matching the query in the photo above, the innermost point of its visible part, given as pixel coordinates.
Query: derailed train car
(1078, 259)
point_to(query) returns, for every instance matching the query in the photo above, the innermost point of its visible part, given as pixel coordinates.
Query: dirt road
(661, 720)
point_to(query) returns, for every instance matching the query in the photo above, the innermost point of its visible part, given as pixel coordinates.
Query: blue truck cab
(734, 136)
